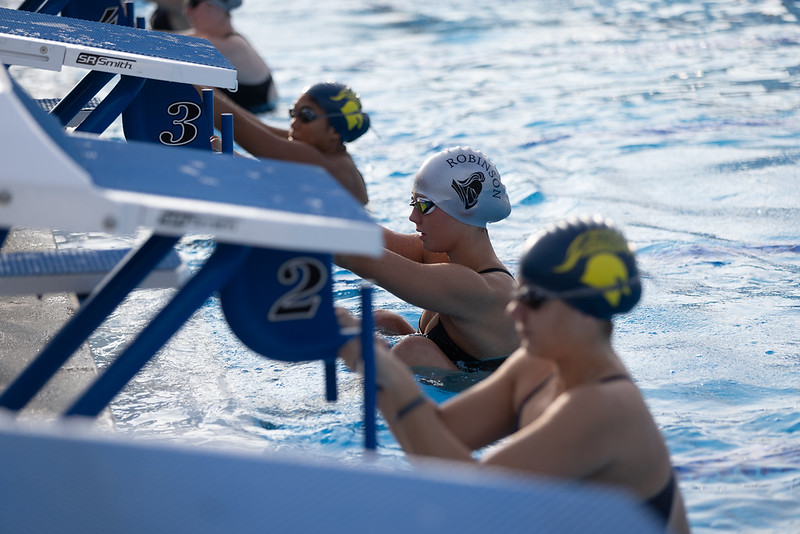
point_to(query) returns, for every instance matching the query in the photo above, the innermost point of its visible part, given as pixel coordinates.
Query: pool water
(679, 120)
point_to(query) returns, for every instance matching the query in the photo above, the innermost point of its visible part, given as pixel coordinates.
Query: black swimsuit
(661, 502)
(464, 361)
(255, 97)
(252, 97)
(160, 20)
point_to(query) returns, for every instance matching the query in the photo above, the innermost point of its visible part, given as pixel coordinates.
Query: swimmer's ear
(334, 136)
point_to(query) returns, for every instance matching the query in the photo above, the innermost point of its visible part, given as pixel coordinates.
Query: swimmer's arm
(409, 246)
(483, 413)
(248, 130)
(573, 438)
(446, 288)
(420, 427)
(241, 53)
(423, 433)
(265, 141)
(412, 416)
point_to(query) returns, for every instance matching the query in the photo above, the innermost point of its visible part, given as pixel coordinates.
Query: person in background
(169, 16)
(449, 268)
(211, 20)
(564, 400)
(324, 117)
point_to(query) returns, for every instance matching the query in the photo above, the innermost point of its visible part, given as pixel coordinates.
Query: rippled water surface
(677, 119)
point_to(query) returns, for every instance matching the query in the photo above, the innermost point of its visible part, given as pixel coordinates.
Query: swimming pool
(679, 120)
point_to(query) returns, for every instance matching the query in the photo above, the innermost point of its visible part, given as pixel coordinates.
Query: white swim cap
(465, 184)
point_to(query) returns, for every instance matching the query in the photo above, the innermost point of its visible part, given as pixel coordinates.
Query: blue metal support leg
(226, 120)
(97, 307)
(130, 16)
(112, 106)
(53, 7)
(331, 387)
(208, 107)
(368, 355)
(80, 95)
(31, 5)
(223, 263)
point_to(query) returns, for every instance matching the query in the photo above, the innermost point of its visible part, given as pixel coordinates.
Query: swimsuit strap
(496, 270)
(540, 386)
(612, 378)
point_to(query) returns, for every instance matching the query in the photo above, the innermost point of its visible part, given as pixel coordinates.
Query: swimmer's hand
(216, 143)
(388, 368)
(350, 352)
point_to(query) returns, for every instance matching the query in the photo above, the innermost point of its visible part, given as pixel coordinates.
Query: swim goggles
(534, 296)
(306, 114)
(423, 205)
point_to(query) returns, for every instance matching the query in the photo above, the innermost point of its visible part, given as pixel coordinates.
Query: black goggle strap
(308, 114)
(531, 293)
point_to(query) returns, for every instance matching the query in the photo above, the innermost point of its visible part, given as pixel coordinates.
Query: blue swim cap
(339, 100)
(589, 261)
(225, 5)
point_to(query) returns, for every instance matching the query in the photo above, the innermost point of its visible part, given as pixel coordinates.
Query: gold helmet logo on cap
(604, 268)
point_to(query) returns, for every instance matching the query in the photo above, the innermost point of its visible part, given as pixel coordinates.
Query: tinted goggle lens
(303, 114)
(423, 205)
(531, 296)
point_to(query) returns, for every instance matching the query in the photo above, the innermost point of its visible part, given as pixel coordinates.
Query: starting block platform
(275, 225)
(77, 271)
(51, 42)
(131, 56)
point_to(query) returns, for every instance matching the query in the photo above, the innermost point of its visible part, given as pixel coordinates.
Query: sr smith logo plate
(95, 60)
(177, 219)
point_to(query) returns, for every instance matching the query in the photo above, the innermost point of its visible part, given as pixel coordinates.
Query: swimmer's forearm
(248, 130)
(413, 417)
(423, 432)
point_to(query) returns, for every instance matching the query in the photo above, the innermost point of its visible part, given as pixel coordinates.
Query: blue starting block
(107, 51)
(77, 271)
(56, 180)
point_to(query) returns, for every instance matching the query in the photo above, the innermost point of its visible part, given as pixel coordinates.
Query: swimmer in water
(449, 268)
(563, 404)
(323, 118)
